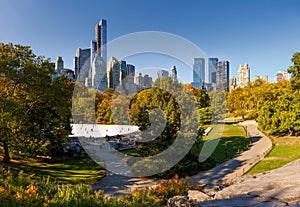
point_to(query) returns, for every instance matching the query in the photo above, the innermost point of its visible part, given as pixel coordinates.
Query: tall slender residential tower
(243, 75)
(101, 39)
(222, 76)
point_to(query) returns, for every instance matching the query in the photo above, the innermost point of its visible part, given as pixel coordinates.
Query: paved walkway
(223, 173)
(227, 171)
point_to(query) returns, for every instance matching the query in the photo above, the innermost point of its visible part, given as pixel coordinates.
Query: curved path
(222, 174)
(227, 171)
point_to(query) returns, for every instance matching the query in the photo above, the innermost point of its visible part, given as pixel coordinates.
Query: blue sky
(262, 33)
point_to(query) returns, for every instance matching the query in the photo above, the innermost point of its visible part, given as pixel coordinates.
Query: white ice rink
(101, 130)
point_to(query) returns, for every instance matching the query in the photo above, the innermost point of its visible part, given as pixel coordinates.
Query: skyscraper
(99, 74)
(59, 63)
(123, 71)
(101, 39)
(222, 76)
(265, 79)
(243, 75)
(281, 76)
(82, 64)
(130, 69)
(232, 83)
(162, 73)
(113, 73)
(212, 66)
(147, 81)
(173, 73)
(139, 80)
(198, 72)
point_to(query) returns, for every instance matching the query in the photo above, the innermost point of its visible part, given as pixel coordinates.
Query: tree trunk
(6, 158)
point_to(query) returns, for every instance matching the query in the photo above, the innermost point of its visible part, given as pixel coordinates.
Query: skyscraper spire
(101, 39)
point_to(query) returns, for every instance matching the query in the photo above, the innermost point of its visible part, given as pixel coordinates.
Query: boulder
(198, 195)
(181, 201)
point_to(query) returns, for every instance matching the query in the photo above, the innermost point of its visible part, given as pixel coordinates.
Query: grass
(69, 172)
(232, 142)
(285, 150)
(225, 130)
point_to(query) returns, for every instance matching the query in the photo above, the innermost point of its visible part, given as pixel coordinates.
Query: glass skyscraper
(101, 39)
(198, 72)
(212, 66)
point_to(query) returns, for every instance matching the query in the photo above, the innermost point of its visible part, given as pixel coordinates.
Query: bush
(170, 188)
(23, 190)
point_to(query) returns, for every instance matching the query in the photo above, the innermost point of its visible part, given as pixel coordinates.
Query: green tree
(295, 71)
(34, 109)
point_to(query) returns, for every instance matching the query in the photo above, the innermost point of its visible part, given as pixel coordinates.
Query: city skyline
(260, 33)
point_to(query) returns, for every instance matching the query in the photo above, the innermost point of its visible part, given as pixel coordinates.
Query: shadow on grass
(227, 148)
(73, 172)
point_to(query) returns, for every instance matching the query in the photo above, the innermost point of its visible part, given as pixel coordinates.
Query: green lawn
(232, 142)
(285, 150)
(72, 172)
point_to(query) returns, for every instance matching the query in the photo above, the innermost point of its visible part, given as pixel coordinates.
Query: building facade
(162, 73)
(82, 64)
(243, 75)
(212, 66)
(113, 73)
(59, 70)
(198, 72)
(173, 72)
(222, 76)
(101, 39)
(232, 83)
(281, 76)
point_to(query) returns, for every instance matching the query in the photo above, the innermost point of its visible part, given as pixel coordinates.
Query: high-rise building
(147, 81)
(222, 76)
(265, 79)
(93, 50)
(198, 72)
(59, 70)
(123, 71)
(281, 76)
(90, 64)
(212, 66)
(243, 75)
(162, 73)
(101, 39)
(113, 73)
(173, 73)
(130, 69)
(99, 74)
(256, 78)
(128, 82)
(142, 82)
(82, 64)
(232, 83)
(213, 77)
(285, 75)
(138, 80)
(59, 63)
